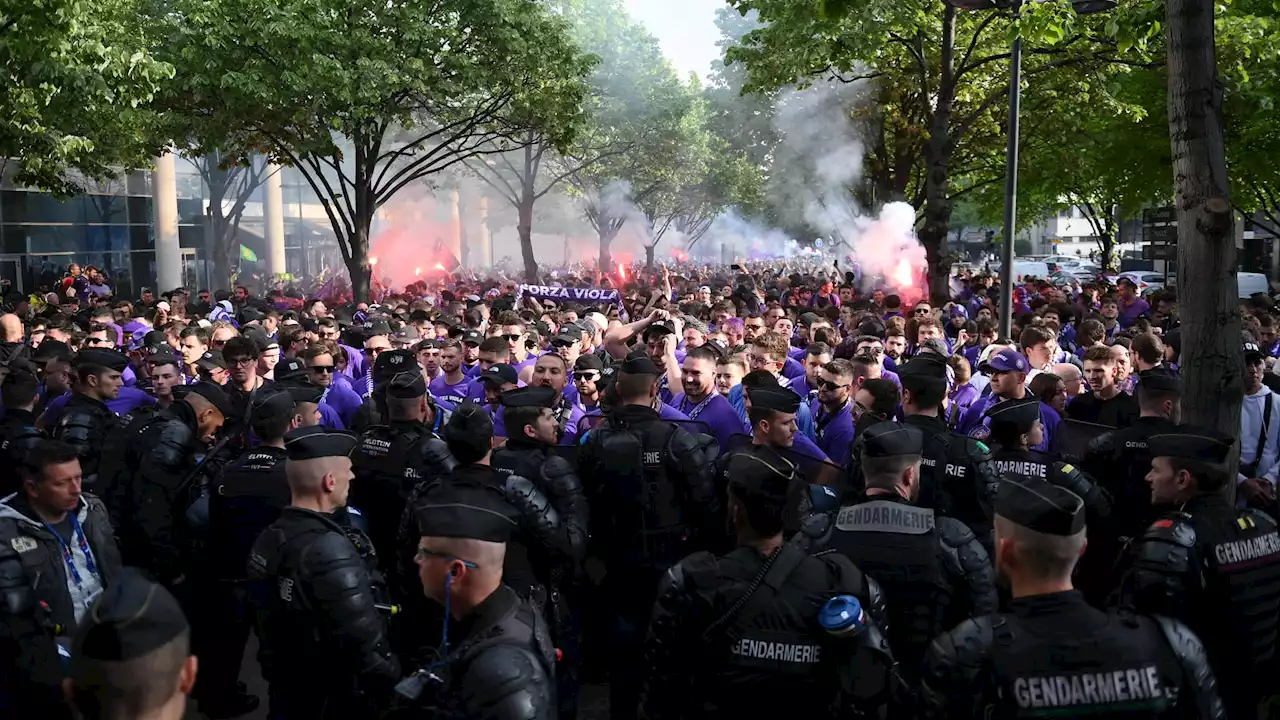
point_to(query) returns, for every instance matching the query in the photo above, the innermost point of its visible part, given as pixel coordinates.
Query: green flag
(247, 254)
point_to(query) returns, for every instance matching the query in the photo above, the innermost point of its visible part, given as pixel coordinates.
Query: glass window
(55, 238)
(191, 211)
(13, 238)
(143, 265)
(106, 209)
(139, 183)
(21, 206)
(106, 238)
(142, 237)
(140, 212)
(47, 270)
(190, 236)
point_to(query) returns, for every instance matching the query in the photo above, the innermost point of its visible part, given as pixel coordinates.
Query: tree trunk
(524, 228)
(607, 233)
(648, 255)
(1212, 360)
(358, 267)
(221, 250)
(937, 156)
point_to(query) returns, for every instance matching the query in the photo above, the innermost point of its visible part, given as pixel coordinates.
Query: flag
(248, 254)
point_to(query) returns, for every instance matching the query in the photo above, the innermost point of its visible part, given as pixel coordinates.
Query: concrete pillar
(480, 244)
(453, 232)
(164, 197)
(273, 219)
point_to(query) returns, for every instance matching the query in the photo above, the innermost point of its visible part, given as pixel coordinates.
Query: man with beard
(700, 402)
(551, 371)
(471, 340)
(452, 384)
(588, 378)
(833, 417)
(1053, 654)
(492, 351)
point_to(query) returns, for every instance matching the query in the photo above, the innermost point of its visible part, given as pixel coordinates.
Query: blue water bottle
(843, 617)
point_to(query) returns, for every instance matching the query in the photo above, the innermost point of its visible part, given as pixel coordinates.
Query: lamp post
(1082, 7)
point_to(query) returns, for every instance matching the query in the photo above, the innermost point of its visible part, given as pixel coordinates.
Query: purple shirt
(716, 411)
(1129, 313)
(342, 399)
(453, 393)
(835, 432)
(963, 396)
(974, 423)
(792, 369)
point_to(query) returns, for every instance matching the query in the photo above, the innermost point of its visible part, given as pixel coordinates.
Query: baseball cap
(1006, 361)
(1252, 352)
(500, 373)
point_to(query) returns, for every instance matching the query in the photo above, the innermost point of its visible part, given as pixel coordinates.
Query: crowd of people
(722, 491)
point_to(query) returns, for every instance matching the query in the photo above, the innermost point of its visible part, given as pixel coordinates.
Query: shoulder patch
(982, 446)
(23, 544)
(1067, 468)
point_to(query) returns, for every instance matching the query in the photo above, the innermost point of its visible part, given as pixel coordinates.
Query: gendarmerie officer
(1053, 654)
(957, 478)
(1211, 565)
(653, 501)
(1119, 461)
(739, 636)
(532, 434)
(248, 496)
(393, 457)
(498, 663)
(152, 491)
(18, 433)
(324, 647)
(87, 420)
(1015, 429)
(933, 570)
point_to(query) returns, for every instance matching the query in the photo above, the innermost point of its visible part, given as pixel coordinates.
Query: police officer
(395, 456)
(532, 431)
(373, 411)
(87, 420)
(1211, 565)
(1052, 654)
(153, 491)
(502, 664)
(653, 502)
(324, 648)
(738, 636)
(933, 570)
(1120, 460)
(18, 433)
(1015, 428)
(248, 496)
(957, 478)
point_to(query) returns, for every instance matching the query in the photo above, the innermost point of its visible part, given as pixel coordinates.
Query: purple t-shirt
(453, 393)
(1129, 313)
(716, 411)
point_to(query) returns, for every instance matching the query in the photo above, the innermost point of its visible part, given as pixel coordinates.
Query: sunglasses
(426, 553)
(511, 338)
(374, 352)
(561, 344)
(587, 375)
(95, 341)
(923, 311)
(241, 360)
(323, 369)
(831, 385)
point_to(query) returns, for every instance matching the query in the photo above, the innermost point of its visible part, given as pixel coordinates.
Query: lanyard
(697, 410)
(78, 535)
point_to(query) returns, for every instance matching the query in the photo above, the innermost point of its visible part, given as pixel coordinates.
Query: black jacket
(323, 640)
(555, 477)
(18, 434)
(1057, 653)
(84, 425)
(246, 498)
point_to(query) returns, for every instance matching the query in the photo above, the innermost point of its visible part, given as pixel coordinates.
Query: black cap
(660, 327)
(924, 366)
(889, 439)
(271, 405)
(377, 327)
(1160, 380)
(249, 315)
(1253, 353)
(155, 338)
(760, 472)
(568, 334)
(133, 618)
(589, 361)
(718, 346)
(451, 512)
(1020, 413)
(393, 362)
(304, 392)
(109, 359)
(289, 369)
(215, 395)
(259, 338)
(407, 385)
(529, 396)
(317, 441)
(499, 374)
(212, 360)
(1192, 442)
(639, 364)
(408, 333)
(778, 399)
(50, 349)
(1041, 506)
(447, 321)
(472, 337)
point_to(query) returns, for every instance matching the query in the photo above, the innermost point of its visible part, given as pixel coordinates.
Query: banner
(573, 294)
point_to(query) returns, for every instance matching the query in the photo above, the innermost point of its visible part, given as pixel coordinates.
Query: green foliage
(78, 81)
(366, 97)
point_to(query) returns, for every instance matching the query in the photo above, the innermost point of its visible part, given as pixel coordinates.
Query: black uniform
(388, 463)
(957, 478)
(324, 647)
(740, 635)
(933, 570)
(85, 424)
(1217, 568)
(1053, 655)
(18, 434)
(653, 501)
(1032, 465)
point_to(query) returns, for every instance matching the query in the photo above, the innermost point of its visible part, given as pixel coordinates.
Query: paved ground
(594, 704)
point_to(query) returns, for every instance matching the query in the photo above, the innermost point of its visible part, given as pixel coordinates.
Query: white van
(1248, 283)
(1023, 269)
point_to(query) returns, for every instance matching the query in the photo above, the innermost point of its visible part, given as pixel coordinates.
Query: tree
(942, 75)
(232, 184)
(77, 82)
(1212, 359)
(367, 97)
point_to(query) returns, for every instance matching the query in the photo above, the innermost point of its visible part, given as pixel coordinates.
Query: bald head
(10, 328)
(307, 477)
(1071, 377)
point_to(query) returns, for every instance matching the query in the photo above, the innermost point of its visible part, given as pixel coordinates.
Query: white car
(1147, 282)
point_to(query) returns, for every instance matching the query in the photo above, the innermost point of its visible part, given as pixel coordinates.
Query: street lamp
(1082, 7)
